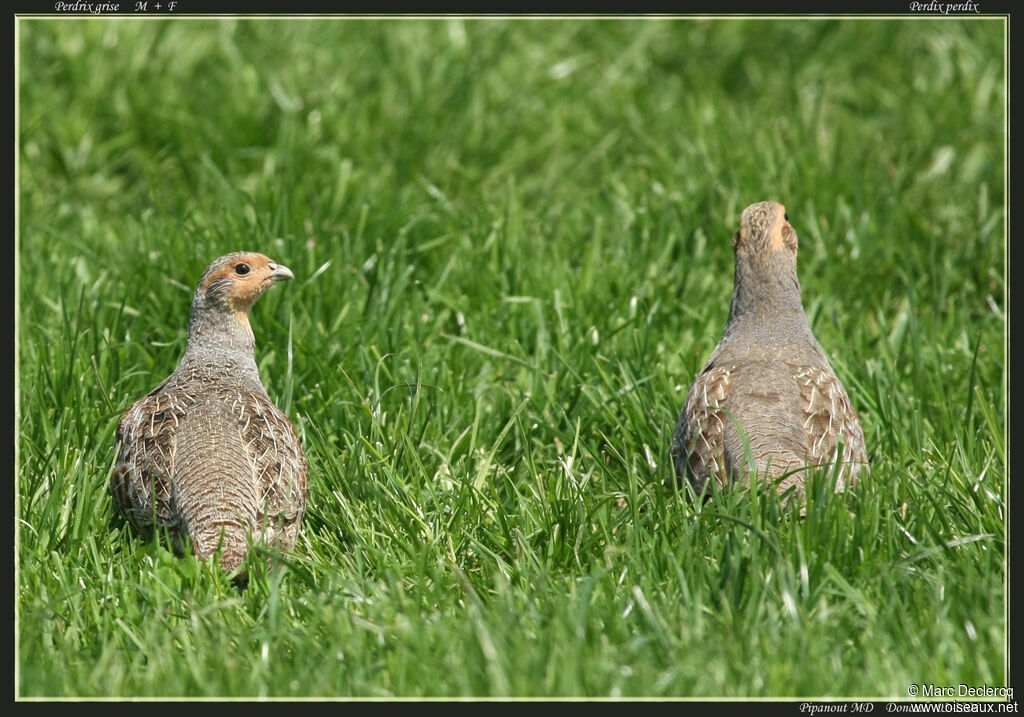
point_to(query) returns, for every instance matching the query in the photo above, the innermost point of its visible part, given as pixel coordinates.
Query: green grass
(511, 242)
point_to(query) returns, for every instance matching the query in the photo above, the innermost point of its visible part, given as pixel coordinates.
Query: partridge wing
(280, 471)
(698, 447)
(141, 480)
(829, 419)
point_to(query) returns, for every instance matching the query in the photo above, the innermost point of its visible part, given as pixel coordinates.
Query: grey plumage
(769, 375)
(207, 454)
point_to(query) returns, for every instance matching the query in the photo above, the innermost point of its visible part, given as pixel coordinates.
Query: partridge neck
(766, 299)
(217, 336)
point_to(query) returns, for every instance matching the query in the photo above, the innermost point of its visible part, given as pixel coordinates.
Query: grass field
(511, 242)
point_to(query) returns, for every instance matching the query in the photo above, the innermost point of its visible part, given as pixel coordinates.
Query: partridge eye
(785, 215)
(242, 269)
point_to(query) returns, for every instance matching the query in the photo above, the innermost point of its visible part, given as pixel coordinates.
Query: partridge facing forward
(207, 454)
(770, 376)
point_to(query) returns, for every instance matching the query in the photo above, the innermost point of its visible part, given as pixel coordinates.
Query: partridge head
(226, 292)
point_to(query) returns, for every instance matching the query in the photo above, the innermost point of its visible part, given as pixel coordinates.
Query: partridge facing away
(770, 376)
(207, 454)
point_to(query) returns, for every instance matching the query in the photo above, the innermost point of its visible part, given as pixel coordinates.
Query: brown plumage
(207, 454)
(769, 375)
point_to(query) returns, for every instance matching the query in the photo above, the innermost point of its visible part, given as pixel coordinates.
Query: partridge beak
(280, 272)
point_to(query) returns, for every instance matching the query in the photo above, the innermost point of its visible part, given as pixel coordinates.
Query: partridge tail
(214, 491)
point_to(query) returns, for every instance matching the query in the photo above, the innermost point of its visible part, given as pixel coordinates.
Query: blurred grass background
(511, 248)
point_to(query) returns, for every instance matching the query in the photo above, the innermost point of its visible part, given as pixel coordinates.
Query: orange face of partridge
(243, 278)
(765, 228)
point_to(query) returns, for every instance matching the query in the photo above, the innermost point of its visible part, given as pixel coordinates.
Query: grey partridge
(768, 384)
(207, 454)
